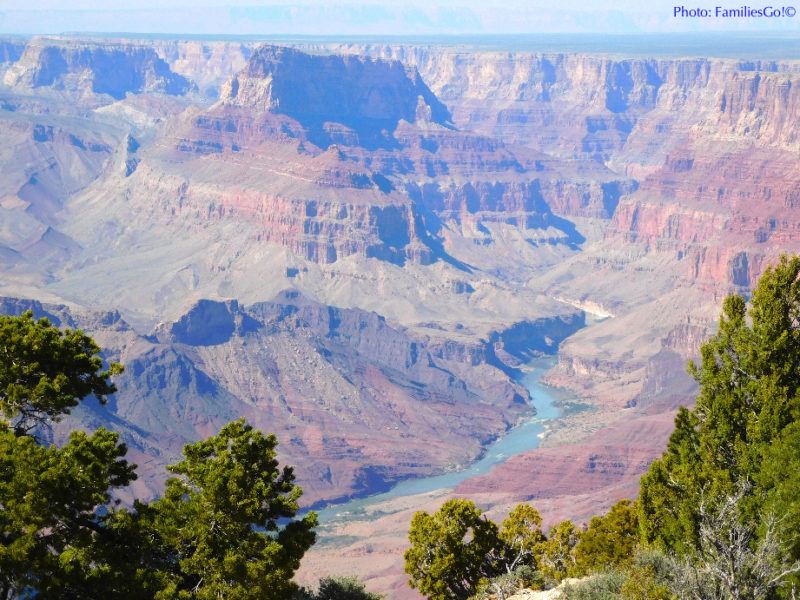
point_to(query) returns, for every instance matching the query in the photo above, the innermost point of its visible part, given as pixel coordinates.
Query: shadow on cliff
(368, 134)
(346, 100)
(523, 341)
(430, 200)
(574, 237)
(428, 225)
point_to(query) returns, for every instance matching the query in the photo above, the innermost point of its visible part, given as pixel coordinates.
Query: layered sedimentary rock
(112, 69)
(44, 159)
(319, 204)
(356, 402)
(567, 104)
(710, 144)
(684, 128)
(357, 159)
(708, 148)
(362, 94)
(323, 229)
(207, 64)
(579, 480)
(722, 216)
(476, 199)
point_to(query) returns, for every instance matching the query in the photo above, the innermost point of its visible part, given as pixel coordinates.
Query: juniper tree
(45, 372)
(521, 534)
(227, 518)
(610, 539)
(226, 526)
(557, 553)
(743, 428)
(452, 551)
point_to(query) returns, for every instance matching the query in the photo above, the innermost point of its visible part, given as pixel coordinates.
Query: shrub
(601, 586)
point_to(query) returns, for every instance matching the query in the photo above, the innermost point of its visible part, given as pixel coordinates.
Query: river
(521, 438)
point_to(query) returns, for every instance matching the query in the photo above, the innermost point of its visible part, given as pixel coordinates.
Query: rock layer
(356, 402)
(476, 199)
(103, 68)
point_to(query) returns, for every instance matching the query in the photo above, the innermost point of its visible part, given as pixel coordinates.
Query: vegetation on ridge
(717, 515)
(226, 526)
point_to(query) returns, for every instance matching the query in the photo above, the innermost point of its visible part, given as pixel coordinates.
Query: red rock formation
(721, 215)
(641, 188)
(356, 402)
(363, 95)
(606, 466)
(379, 192)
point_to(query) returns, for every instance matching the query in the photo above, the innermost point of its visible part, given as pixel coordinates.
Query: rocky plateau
(359, 247)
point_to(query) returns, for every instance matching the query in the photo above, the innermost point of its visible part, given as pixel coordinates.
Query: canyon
(360, 247)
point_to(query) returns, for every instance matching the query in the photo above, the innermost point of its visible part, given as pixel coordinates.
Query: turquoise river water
(521, 438)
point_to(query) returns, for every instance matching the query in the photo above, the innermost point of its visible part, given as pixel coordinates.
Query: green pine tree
(452, 551)
(225, 527)
(610, 540)
(742, 431)
(521, 534)
(44, 372)
(557, 553)
(228, 519)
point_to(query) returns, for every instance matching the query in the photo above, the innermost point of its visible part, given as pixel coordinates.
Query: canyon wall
(356, 402)
(379, 173)
(112, 69)
(207, 64)
(441, 213)
(432, 154)
(353, 91)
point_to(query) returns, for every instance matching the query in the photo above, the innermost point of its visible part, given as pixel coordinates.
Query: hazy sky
(378, 17)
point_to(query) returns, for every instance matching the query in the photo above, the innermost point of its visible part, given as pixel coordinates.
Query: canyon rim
(360, 247)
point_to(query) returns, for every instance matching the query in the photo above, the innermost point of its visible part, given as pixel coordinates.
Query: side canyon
(361, 246)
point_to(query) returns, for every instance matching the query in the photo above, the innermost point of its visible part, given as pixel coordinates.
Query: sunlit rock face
(369, 97)
(206, 63)
(356, 402)
(112, 69)
(362, 160)
(356, 245)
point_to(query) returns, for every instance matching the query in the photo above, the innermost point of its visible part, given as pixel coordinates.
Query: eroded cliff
(103, 68)
(474, 199)
(356, 402)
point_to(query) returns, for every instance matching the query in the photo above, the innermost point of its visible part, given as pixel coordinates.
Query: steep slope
(63, 127)
(710, 146)
(593, 105)
(355, 401)
(368, 97)
(242, 169)
(472, 198)
(43, 161)
(11, 49)
(207, 64)
(99, 68)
